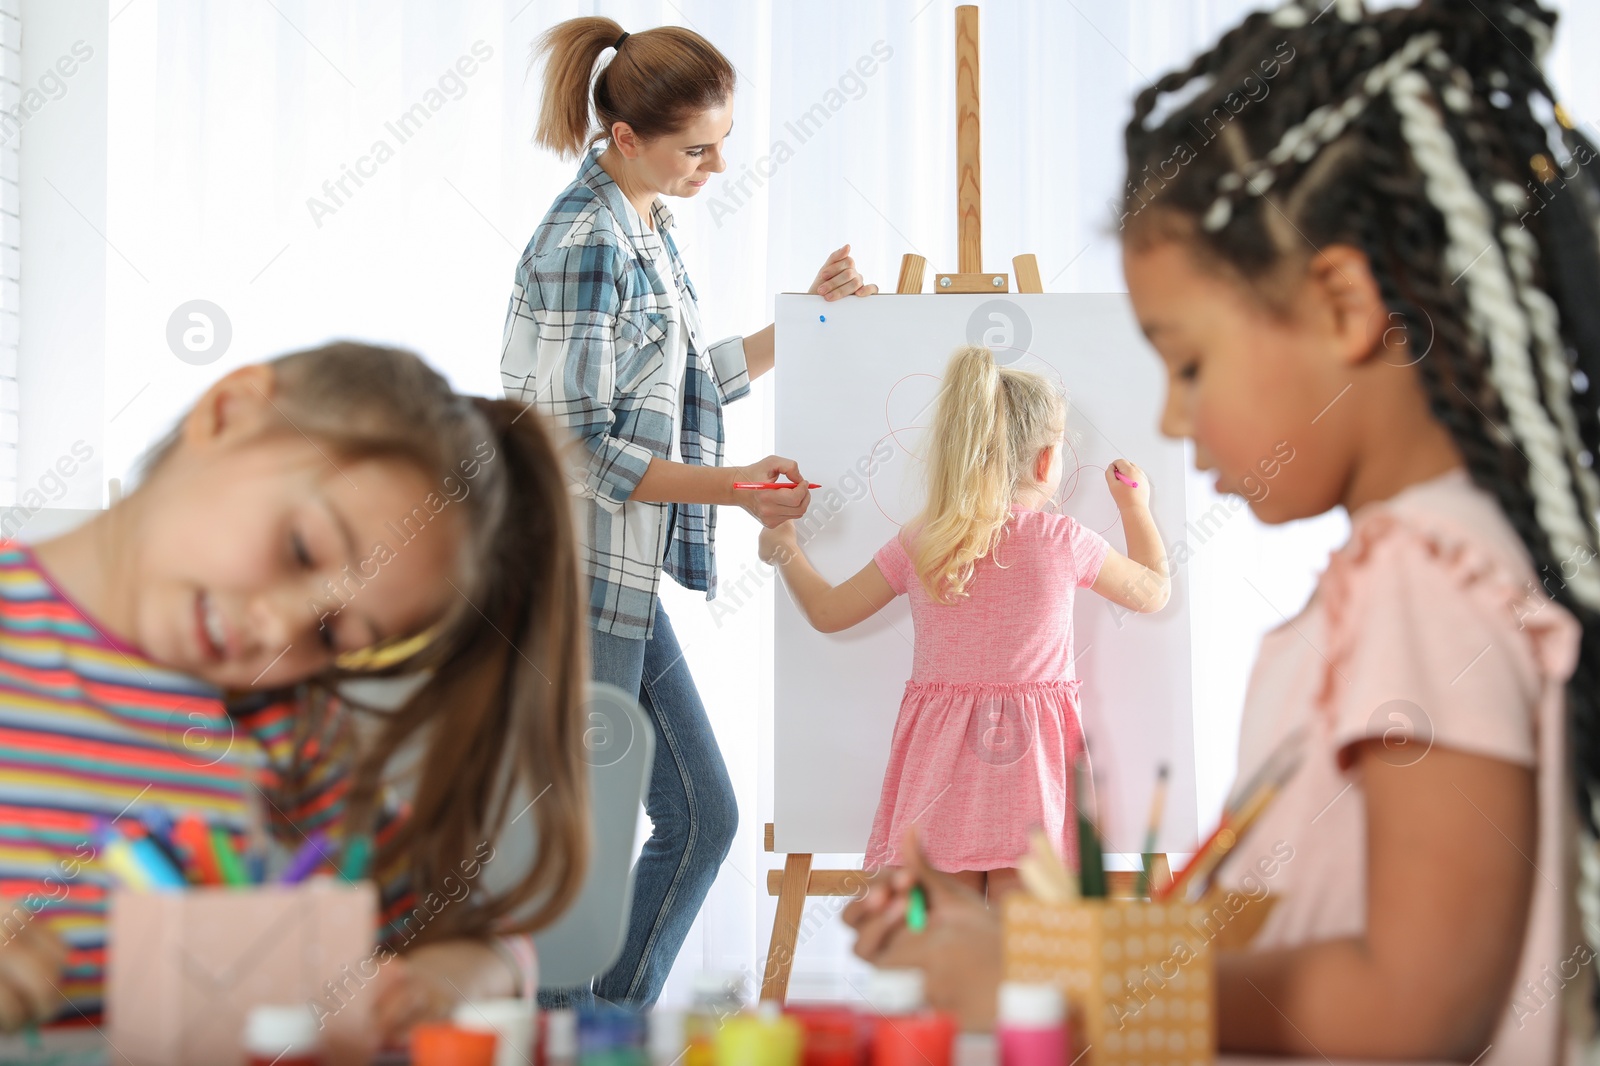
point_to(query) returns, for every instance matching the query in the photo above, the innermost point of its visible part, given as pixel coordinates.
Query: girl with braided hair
(1381, 264)
(1388, 261)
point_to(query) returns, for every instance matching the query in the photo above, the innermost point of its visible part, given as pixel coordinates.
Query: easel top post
(969, 167)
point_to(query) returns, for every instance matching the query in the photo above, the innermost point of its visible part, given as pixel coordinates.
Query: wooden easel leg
(786, 927)
(1026, 267)
(912, 267)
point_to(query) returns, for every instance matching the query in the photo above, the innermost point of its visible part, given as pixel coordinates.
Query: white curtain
(234, 123)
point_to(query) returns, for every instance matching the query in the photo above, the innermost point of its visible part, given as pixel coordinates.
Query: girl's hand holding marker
(1129, 485)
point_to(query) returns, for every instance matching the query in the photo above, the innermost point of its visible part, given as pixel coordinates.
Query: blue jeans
(690, 803)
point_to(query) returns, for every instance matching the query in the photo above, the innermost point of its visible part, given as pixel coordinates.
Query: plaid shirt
(585, 343)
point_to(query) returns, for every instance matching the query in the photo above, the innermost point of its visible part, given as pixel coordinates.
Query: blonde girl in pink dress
(988, 731)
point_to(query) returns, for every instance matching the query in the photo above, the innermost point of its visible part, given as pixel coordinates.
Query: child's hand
(778, 544)
(958, 951)
(31, 963)
(1124, 494)
(426, 984)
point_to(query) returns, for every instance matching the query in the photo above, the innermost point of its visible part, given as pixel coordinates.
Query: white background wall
(11, 74)
(176, 164)
(64, 137)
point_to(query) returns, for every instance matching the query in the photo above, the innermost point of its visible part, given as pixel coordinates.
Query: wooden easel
(969, 190)
(797, 879)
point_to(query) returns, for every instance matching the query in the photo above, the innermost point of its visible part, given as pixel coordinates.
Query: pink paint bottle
(1032, 1025)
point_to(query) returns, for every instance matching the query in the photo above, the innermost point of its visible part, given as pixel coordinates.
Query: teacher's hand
(772, 507)
(959, 949)
(839, 278)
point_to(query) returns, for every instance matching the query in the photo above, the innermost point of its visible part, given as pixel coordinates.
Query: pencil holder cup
(184, 968)
(1138, 977)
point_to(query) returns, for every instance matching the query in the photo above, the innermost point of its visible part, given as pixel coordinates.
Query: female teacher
(603, 335)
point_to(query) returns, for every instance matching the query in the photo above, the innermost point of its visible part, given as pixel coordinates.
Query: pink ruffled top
(1428, 629)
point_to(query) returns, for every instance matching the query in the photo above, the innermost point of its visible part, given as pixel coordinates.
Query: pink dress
(1427, 630)
(988, 730)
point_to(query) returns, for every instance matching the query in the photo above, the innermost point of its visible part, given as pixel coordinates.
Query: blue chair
(619, 745)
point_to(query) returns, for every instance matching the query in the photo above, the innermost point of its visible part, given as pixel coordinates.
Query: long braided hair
(1429, 138)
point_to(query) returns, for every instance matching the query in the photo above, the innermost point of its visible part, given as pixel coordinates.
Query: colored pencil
(1237, 817)
(1157, 802)
(1091, 858)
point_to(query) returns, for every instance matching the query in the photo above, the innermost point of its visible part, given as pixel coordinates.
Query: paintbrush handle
(1215, 849)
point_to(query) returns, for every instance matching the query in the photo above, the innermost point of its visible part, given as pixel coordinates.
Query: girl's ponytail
(536, 606)
(657, 81)
(988, 429)
(501, 709)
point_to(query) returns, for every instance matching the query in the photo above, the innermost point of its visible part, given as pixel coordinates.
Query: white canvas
(855, 381)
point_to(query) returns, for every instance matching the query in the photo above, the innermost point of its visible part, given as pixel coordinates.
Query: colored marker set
(154, 852)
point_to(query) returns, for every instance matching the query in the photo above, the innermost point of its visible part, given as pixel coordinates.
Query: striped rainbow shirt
(91, 727)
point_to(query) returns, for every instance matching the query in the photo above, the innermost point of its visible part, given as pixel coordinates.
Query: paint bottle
(1032, 1025)
(834, 1035)
(611, 1035)
(716, 998)
(288, 1036)
(907, 1033)
(766, 1038)
(558, 1045)
(976, 1049)
(510, 1020)
(443, 1044)
(666, 1037)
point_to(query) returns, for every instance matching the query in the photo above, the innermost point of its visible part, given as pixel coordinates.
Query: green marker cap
(917, 910)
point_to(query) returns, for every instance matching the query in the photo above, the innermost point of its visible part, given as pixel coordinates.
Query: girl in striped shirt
(334, 513)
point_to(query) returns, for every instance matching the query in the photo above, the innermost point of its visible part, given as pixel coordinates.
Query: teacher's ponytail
(656, 82)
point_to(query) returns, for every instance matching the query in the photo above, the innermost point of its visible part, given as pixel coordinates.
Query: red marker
(773, 485)
(1125, 481)
(192, 837)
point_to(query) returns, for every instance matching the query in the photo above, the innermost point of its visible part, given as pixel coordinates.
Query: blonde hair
(988, 430)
